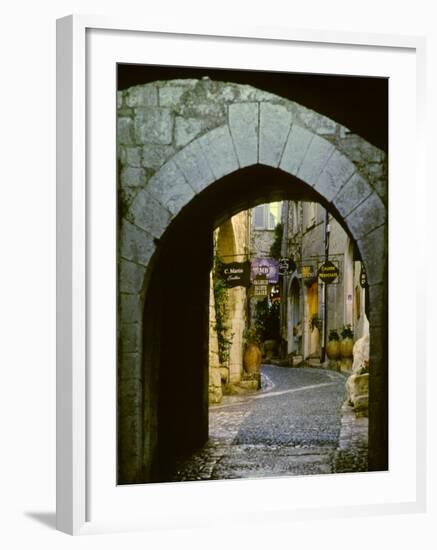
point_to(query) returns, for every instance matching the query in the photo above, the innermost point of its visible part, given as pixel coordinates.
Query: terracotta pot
(333, 349)
(346, 348)
(252, 358)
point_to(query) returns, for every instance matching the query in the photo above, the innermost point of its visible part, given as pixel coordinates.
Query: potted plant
(347, 342)
(267, 325)
(333, 346)
(252, 351)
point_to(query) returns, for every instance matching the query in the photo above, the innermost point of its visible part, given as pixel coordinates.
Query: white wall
(27, 226)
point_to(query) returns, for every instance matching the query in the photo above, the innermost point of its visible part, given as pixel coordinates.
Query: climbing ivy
(221, 326)
(275, 249)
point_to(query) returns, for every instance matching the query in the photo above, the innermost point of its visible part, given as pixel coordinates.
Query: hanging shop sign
(286, 266)
(363, 277)
(260, 286)
(236, 274)
(275, 293)
(306, 271)
(267, 267)
(328, 272)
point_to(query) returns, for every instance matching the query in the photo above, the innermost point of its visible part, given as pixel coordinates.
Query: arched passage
(265, 148)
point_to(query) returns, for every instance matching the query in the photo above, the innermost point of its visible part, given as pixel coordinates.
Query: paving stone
(252, 438)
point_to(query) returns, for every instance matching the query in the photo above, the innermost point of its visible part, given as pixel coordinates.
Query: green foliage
(221, 326)
(347, 332)
(315, 322)
(267, 320)
(333, 335)
(275, 249)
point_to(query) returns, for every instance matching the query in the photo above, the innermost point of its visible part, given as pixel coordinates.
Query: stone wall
(176, 139)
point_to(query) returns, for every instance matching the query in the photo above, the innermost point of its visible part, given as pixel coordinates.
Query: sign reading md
(265, 267)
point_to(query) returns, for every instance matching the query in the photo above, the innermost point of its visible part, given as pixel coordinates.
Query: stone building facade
(308, 225)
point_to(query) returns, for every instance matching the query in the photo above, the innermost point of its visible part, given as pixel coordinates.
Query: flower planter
(346, 348)
(252, 358)
(333, 349)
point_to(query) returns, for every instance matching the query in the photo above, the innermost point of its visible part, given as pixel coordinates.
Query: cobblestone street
(295, 425)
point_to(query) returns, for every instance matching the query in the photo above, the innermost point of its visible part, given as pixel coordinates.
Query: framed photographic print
(232, 230)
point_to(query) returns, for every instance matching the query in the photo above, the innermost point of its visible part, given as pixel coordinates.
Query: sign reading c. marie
(328, 272)
(236, 274)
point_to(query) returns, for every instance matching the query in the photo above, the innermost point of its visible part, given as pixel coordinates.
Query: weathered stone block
(142, 96)
(125, 132)
(186, 129)
(295, 149)
(219, 152)
(132, 177)
(130, 337)
(317, 155)
(153, 125)
(353, 193)
(275, 122)
(360, 151)
(131, 277)
(171, 95)
(155, 155)
(130, 371)
(169, 187)
(131, 308)
(136, 244)
(120, 99)
(370, 214)
(317, 123)
(337, 171)
(243, 123)
(149, 214)
(194, 166)
(131, 156)
(373, 248)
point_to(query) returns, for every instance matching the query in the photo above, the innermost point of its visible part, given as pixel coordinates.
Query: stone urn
(346, 348)
(270, 347)
(333, 349)
(252, 358)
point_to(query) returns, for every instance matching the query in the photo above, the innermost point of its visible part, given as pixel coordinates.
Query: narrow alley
(293, 426)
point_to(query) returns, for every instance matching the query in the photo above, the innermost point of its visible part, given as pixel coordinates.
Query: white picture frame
(76, 211)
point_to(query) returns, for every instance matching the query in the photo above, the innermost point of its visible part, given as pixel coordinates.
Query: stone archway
(176, 140)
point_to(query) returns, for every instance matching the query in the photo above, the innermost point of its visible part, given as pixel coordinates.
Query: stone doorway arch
(182, 141)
